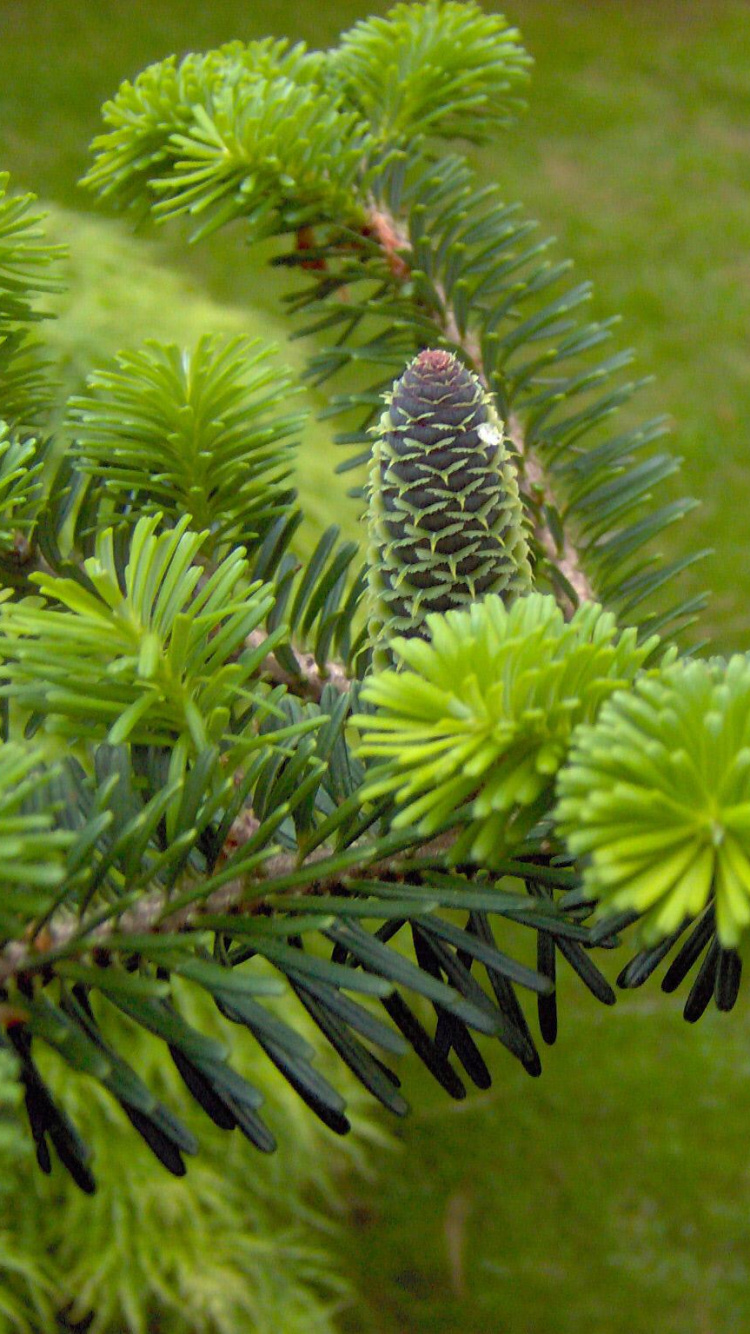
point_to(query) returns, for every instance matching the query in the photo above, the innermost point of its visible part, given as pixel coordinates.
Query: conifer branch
(310, 681)
(241, 896)
(200, 681)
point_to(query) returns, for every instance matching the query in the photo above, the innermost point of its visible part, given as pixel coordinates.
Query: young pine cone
(445, 518)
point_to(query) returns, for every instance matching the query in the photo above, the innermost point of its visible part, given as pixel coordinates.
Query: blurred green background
(613, 1194)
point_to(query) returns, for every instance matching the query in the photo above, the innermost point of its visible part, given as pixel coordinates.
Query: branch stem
(242, 896)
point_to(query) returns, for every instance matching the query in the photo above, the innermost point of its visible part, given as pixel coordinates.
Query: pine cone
(446, 523)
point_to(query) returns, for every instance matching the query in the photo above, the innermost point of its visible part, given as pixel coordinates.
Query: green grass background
(614, 1194)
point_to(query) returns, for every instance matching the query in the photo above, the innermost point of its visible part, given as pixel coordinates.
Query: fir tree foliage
(412, 253)
(167, 97)
(282, 136)
(656, 796)
(446, 68)
(150, 663)
(246, 131)
(240, 1242)
(476, 723)
(27, 270)
(21, 470)
(212, 427)
(205, 789)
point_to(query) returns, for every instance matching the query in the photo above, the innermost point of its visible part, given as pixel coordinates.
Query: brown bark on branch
(310, 681)
(244, 896)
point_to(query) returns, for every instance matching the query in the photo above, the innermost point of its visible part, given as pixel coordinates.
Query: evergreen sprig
(656, 800)
(21, 484)
(27, 259)
(446, 69)
(478, 720)
(33, 846)
(28, 264)
(275, 152)
(149, 660)
(243, 132)
(162, 101)
(413, 253)
(204, 434)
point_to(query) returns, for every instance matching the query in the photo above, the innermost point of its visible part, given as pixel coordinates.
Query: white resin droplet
(489, 434)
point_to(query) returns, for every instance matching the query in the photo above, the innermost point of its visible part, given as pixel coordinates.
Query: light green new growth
(656, 799)
(245, 131)
(478, 720)
(445, 69)
(20, 489)
(284, 137)
(153, 661)
(27, 259)
(27, 269)
(163, 101)
(205, 434)
(32, 849)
